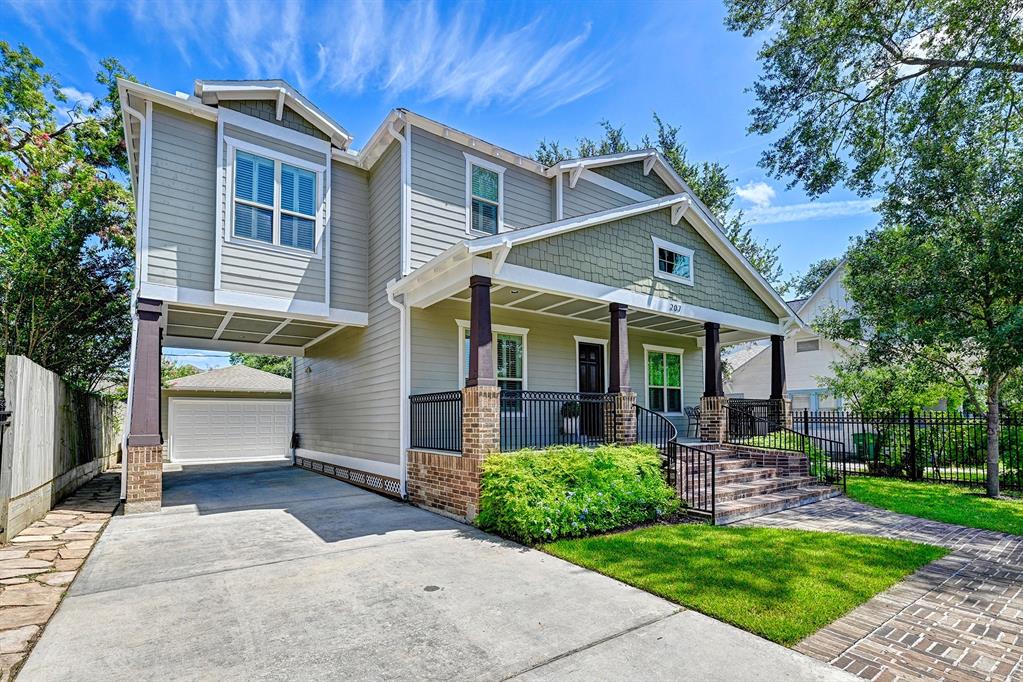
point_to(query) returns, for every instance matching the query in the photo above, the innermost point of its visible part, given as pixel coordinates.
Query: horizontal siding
(347, 387)
(349, 237)
(631, 175)
(438, 195)
(182, 200)
(550, 351)
(587, 197)
(271, 272)
(802, 370)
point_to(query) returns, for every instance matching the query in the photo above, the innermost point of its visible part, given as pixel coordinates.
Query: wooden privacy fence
(57, 439)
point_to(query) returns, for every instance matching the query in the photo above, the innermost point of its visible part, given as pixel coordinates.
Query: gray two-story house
(443, 297)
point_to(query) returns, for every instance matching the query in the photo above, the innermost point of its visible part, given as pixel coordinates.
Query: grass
(949, 503)
(780, 584)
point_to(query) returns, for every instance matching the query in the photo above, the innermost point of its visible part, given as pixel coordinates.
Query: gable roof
(237, 378)
(211, 92)
(743, 355)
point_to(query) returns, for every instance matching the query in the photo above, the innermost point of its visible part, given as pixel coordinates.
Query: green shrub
(570, 491)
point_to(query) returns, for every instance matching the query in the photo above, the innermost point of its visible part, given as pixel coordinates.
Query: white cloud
(817, 210)
(78, 104)
(436, 51)
(759, 194)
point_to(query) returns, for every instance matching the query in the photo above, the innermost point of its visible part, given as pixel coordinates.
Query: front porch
(540, 369)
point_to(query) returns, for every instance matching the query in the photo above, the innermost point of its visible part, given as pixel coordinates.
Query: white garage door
(204, 429)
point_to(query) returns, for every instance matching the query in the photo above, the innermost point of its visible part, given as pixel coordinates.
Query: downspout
(403, 388)
(294, 395)
(134, 297)
(404, 139)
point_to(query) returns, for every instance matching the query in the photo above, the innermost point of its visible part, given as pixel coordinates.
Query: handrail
(435, 421)
(690, 471)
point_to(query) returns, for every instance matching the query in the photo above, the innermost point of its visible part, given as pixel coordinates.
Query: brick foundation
(713, 419)
(450, 483)
(144, 468)
(787, 463)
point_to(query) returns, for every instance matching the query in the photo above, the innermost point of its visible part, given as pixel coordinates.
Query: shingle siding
(586, 254)
(438, 195)
(631, 174)
(266, 110)
(347, 387)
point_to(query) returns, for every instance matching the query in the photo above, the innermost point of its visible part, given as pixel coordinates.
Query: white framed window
(484, 196)
(808, 346)
(663, 375)
(275, 199)
(509, 349)
(673, 262)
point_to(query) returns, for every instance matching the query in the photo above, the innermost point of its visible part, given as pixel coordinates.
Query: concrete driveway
(268, 571)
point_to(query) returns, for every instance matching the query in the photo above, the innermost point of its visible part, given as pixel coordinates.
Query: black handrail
(435, 421)
(689, 471)
(826, 457)
(539, 419)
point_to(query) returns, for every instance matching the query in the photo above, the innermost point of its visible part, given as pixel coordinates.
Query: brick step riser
(746, 476)
(776, 485)
(755, 510)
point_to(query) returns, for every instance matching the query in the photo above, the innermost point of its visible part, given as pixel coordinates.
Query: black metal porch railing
(689, 471)
(435, 421)
(827, 457)
(538, 419)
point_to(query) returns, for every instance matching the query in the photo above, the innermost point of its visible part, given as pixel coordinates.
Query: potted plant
(570, 412)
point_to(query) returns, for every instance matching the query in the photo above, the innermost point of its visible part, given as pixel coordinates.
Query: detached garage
(229, 414)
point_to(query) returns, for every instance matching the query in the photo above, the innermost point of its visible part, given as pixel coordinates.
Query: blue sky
(509, 72)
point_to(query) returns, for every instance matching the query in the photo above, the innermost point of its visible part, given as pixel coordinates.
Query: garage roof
(238, 378)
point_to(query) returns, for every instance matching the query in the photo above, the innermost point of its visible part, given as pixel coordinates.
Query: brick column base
(620, 419)
(713, 419)
(144, 468)
(450, 483)
(785, 412)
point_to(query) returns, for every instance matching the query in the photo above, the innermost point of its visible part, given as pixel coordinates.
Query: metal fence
(691, 472)
(654, 429)
(749, 426)
(539, 419)
(943, 447)
(435, 421)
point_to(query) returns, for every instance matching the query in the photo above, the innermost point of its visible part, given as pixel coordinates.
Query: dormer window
(276, 200)
(484, 193)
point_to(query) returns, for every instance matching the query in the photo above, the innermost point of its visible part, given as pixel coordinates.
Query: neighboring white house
(807, 355)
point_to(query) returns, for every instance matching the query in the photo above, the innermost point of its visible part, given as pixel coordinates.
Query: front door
(591, 380)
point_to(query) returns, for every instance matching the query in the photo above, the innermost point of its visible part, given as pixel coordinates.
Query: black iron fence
(691, 471)
(538, 419)
(943, 447)
(767, 428)
(435, 421)
(654, 429)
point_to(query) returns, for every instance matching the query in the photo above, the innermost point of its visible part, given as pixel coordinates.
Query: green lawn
(780, 584)
(948, 503)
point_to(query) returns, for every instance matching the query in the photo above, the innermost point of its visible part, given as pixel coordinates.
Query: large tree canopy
(802, 285)
(709, 181)
(66, 223)
(920, 100)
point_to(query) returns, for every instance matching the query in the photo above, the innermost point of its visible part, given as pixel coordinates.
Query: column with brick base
(713, 419)
(481, 436)
(620, 419)
(143, 462)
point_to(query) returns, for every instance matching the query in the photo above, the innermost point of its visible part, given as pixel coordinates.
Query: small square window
(808, 346)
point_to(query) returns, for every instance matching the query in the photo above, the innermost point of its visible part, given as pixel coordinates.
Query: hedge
(570, 491)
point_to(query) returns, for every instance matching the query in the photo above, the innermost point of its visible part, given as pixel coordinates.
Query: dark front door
(591, 380)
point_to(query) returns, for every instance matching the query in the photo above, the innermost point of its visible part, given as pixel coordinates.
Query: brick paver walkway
(959, 618)
(38, 565)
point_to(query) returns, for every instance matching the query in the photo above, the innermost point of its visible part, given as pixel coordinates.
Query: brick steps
(754, 482)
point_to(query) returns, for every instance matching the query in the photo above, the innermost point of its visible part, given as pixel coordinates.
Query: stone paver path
(38, 565)
(959, 618)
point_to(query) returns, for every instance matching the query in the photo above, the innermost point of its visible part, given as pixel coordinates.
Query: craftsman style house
(443, 297)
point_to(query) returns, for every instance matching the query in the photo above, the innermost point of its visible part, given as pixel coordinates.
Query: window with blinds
(485, 199)
(262, 213)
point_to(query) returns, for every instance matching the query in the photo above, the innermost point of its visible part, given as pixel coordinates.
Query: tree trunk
(992, 436)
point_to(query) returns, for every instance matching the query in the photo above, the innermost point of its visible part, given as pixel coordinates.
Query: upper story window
(808, 346)
(673, 262)
(484, 194)
(274, 202)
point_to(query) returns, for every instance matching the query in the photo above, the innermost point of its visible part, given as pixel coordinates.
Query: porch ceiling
(213, 329)
(544, 303)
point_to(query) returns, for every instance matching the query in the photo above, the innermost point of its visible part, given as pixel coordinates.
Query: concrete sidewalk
(271, 572)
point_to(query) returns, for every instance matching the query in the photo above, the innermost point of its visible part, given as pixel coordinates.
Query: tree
(920, 101)
(709, 181)
(274, 364)
(66, 243)
(171, 370)
(885, 387)
(801, 286)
